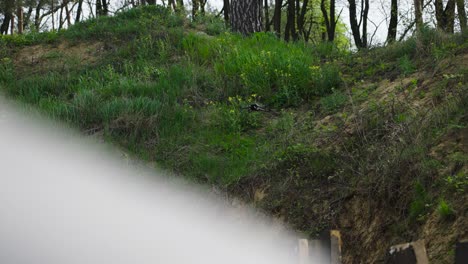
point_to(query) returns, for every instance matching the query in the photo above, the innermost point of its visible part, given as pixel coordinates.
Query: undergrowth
(169, 92)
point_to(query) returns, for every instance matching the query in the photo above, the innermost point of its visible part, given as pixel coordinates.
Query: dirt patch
(43, 58)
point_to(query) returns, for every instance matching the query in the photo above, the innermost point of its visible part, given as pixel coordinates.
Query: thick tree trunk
(290, 31)
(19, 14)
(277, 17)
(445, 17)
(246, 16)
(462, 14)
(6, 23)
(392, 26)
(418, 14)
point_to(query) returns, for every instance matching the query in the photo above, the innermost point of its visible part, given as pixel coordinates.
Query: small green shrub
(445, 211)
(334, 101)
(406, 65)
(420, 204)
(458, 182)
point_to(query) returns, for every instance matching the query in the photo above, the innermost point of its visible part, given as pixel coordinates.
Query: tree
(102, 8)
(462, 14)
(361, 42)
(267, 16)
(277, 17)
(246, 16)
(301, 18)
(445, 16)
(78, 11)
(8, 7)
(226, 10)
(290, 30)
(330, 22)
(392, 26)
(418, 14)
(198, 7)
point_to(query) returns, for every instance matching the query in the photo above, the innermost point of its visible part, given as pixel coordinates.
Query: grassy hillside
(373, 143)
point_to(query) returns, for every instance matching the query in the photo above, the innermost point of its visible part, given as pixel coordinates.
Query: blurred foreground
(64, 201)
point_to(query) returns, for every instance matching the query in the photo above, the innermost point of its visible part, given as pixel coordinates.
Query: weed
(334, 101)
(445, 211)
(457, 182)
(406, 65)
(421, 203)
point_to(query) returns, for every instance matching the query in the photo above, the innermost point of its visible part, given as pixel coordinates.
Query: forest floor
(372, 143)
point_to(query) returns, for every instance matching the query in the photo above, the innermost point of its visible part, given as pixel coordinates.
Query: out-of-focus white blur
(64, 201)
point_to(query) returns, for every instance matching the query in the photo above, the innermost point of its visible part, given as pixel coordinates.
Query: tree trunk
(37, 16)
(202, 7)
(195, 7)
(392, 26)
(445, 17)
(99, 11)
(102, 8)
(61, 21)
(364, 17)
(462, 14)
(277, 17)
(19, 14)
(330, 23)
(290, 31)
(53, 18)
(67, 12)
(246, 16)
(301, 19)
(6, 22)
(12, 24)
(180, 6)
(78, 11)
(226, 11)
(28, 17)
(105, 7)
(267, 16)
(354, 24)
(418, 14)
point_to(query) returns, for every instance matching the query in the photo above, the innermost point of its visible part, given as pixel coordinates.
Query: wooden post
(461, 252)
(303, 251)
(335, 247)
(414, 252)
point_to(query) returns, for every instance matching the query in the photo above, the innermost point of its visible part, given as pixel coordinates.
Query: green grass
(176, 95)
(445, 211)
(168, 93)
